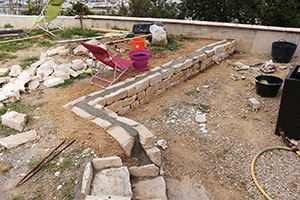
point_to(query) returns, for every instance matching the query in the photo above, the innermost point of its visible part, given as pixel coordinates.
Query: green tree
(266, 12)
(77, 10)
(149, 8)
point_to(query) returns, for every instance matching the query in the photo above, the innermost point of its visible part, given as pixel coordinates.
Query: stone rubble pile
(46, 71)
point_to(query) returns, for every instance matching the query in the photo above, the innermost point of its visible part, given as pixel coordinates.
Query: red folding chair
(119, 64)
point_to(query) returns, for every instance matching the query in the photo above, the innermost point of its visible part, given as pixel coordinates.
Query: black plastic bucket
(283, 51)
(268, 86)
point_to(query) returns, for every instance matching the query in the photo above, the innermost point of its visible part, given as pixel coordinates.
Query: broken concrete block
(254, 103)
(51, 52)
(144, 171)
(81, 50)
(78, 111)
(101, 122)
(146, 137)
(53, 81)
(9, 90)
(150, 189)
(46, 69)
(106, 197)
(15, 70)
(87, 179)
(78, 64)
(14, 120)
(162, 143)
(114, 181)
(18, 139)
(108, 162)
(200, 118)
(125, 140)
(1, 105)
(4, 71)
(154, 155)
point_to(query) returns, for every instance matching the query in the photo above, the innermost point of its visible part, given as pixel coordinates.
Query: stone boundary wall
(250, 38)
(104, 107)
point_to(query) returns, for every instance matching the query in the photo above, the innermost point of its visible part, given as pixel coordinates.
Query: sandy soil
(55, 124)
(220, 159)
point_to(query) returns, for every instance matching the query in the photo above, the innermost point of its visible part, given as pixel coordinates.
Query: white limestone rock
(14, 120)
(18, 139)
(15, 70)
(78, 64)
(114, 181)
(47, 68)
(144, 171)
(150, 189)
(108, 162)
(53, 81)
(4, 71)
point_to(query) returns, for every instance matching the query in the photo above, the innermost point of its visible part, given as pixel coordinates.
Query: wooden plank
(90, 38)
(21, 39)
(11, 30)
(101, 30)
(9, 35)
(123, 40)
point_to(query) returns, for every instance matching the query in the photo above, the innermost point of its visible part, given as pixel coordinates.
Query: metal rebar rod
(41, 162)
(41, 166)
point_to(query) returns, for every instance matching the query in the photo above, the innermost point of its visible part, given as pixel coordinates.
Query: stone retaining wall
(105, 107)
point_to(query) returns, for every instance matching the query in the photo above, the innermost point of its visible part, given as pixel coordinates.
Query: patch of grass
(45, 43)
(6, 56)
(6, 131)
(184, 37)
(199, 106)
(191, 93)
(15, 198)
(14, 46)
(37, 194)
(8, 26)
(118, 28)
(68, 192)
(28, 61)
(70, 32)
(168, 112)
(172, 45)
(68, 82)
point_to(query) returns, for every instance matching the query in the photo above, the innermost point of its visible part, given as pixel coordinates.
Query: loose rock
(14, 120)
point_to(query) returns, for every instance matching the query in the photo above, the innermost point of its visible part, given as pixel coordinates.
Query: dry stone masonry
(105, 107)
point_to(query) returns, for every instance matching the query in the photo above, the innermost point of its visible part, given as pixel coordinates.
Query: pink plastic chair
(118, 64)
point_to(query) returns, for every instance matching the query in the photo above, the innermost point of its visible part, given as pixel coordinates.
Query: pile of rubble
(15, 80)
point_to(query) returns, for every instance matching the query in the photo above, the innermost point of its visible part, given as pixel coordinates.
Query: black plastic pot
(283, 51)
(268, 86)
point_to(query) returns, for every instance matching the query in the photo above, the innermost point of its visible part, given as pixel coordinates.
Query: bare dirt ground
(216, 164)
(197, 165)
(54, 124)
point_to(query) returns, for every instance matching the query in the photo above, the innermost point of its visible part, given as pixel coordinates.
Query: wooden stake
(123, 40)
(108, 30)
(21, 39)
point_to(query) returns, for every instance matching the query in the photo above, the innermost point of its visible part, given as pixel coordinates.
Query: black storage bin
(144, 27)
(269, 89)
(289, 112)
(283, 51)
